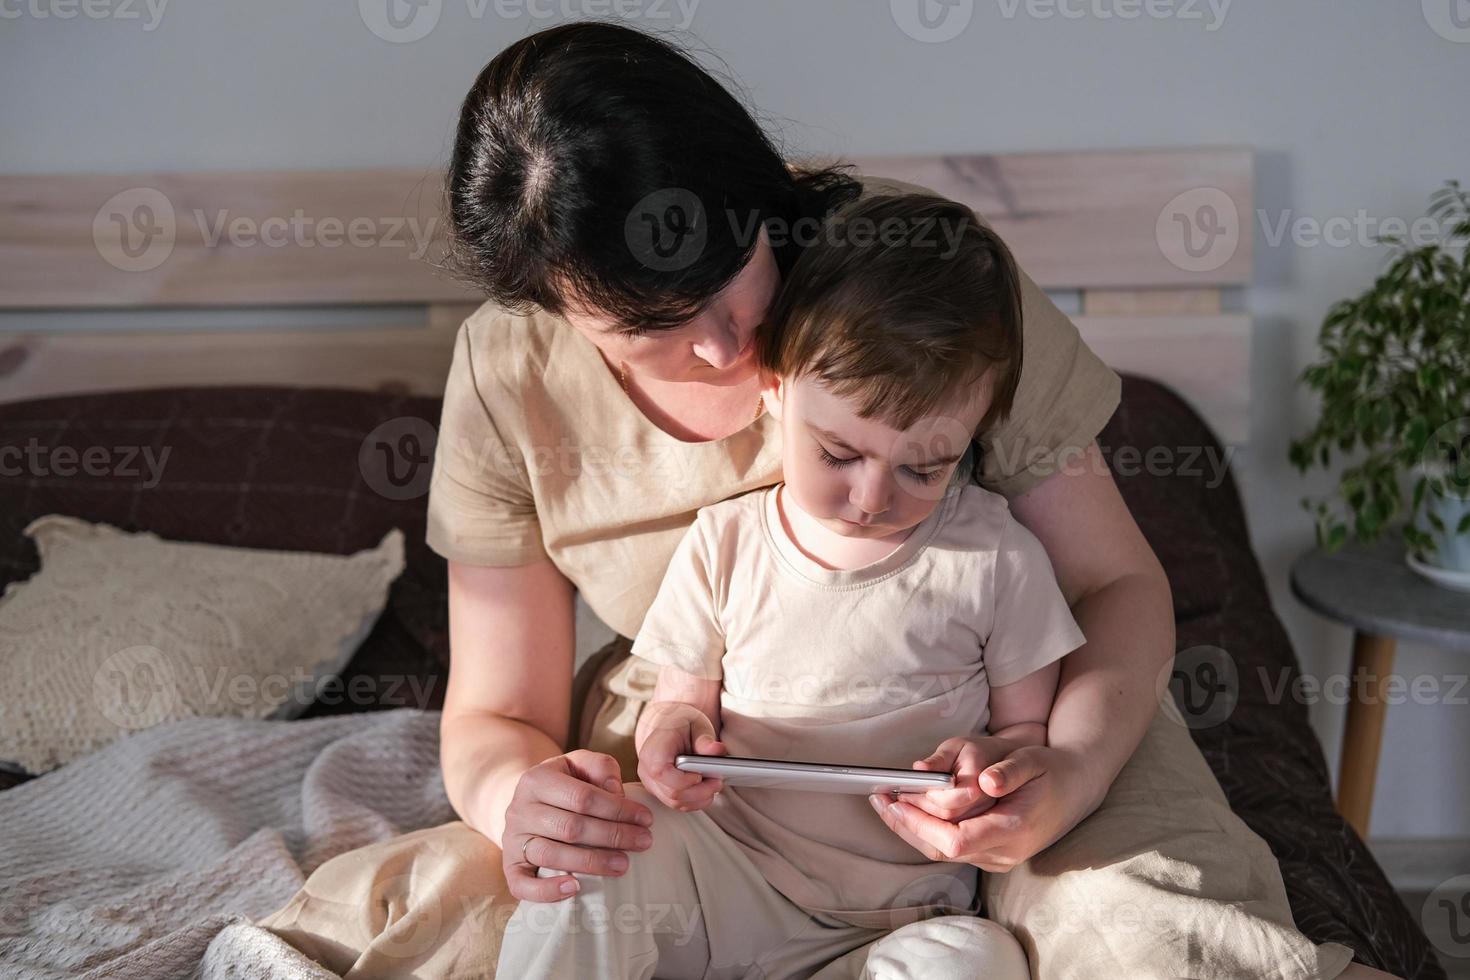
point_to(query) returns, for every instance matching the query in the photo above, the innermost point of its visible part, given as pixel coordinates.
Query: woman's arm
(508, 704)
(1120, 598)
(501, 737)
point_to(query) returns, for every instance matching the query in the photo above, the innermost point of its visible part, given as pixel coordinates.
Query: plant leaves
(1393, 367)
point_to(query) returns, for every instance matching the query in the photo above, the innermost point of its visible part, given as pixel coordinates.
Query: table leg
(1363, 735)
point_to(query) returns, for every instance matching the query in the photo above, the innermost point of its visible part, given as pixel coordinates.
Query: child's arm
(1032, 631)
(682, 718)
(679, 694)
(1019, 711)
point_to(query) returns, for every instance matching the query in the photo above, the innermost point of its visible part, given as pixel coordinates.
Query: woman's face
(716, 347)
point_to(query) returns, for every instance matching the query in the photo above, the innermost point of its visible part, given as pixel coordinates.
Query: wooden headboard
(1147, 249)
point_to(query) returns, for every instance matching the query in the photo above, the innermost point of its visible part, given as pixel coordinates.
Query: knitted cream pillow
(119, 632)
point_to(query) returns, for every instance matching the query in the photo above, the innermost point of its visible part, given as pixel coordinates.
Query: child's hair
(902, 302)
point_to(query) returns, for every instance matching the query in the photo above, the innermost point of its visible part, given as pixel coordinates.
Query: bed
(279, 465)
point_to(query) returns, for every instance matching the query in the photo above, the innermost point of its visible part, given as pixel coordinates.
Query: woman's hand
(1041, 793)
(678, 729)
(569, 813)
(967, 759)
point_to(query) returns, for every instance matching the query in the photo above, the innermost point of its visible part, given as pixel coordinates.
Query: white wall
(1351, 105)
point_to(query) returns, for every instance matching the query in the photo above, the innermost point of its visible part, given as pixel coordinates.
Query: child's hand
(679, 733)
(979, 773)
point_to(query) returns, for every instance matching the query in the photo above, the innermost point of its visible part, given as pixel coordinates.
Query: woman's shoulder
(516, 350)
(504, 335)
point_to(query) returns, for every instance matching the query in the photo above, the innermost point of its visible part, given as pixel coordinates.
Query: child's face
(860, 477)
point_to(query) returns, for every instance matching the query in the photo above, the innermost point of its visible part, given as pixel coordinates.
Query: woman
(631, 223)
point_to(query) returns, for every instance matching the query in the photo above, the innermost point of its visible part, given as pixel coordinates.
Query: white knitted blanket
(152, 857)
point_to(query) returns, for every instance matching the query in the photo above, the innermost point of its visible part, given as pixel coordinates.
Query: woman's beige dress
(540, 454)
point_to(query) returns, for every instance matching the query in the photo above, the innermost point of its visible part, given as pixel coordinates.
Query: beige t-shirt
(540, 452)
(873, 666)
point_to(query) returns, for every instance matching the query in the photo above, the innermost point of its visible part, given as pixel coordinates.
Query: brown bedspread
(280, 468)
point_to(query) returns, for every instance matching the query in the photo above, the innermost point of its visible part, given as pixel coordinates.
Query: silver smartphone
(812, 776)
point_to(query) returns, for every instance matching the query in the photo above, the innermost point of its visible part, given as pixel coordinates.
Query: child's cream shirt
(870, 666)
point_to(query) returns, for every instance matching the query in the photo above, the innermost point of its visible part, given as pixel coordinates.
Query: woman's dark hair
(597, 163)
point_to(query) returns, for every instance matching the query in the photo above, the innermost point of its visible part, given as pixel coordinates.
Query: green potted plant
(1394, 381)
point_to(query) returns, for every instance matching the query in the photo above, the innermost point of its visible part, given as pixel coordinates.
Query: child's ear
(773, 393)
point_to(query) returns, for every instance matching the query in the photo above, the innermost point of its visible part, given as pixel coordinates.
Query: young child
(875, 608)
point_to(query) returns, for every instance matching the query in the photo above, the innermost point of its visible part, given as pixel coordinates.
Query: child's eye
(833, 461)
(928, 477)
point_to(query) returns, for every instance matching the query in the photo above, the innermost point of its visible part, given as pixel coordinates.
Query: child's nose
(871, 496)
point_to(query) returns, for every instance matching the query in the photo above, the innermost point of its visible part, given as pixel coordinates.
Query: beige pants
(1162, 881)
(693, 907)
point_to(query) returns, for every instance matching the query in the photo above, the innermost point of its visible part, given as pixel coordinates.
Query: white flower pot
(1451, 553)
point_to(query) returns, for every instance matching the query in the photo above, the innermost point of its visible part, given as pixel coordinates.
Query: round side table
(1368, 587)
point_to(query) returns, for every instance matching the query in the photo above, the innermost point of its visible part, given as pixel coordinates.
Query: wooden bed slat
(413, 358)
(222, 239)
(1149, 236)
(1150, 302)
(1103, 219)
(1107, 218)
(1206, 359)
